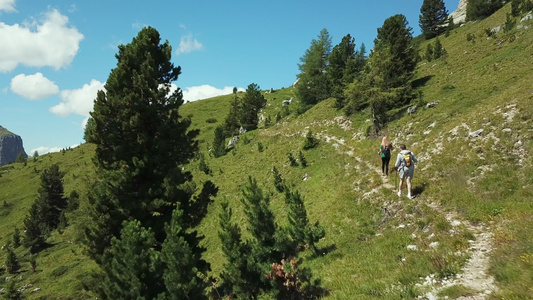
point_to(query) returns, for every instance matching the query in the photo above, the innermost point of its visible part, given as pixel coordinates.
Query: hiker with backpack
(405, 164)
(384, 151)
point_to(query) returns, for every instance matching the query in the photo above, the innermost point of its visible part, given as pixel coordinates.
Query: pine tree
(301, 231)
(34, 236)
(185, 272)
(240, 277)
(51, 192)
(251, 103)
(429, 52)
(438, 51)
(232, 121)
(219, 142)
(261, 221)
(278, 180)
(340, 58)
(12, 261)
(303, 161)
(16, 238)
(133, 268)
(11, 291)
(432, 20)
(313, 84)
(141, 142)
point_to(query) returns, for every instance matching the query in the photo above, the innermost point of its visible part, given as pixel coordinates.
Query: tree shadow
(419, 189)
(420, 82)
(322, 251)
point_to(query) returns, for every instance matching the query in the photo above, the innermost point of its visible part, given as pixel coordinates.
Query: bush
(310, 141)
(211, 120)
(260, 147)
(292, 160)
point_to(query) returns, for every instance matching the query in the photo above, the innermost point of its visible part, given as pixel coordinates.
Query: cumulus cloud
(205, 91)
(33, 87)
(7, 5)
(50, 43)
(189, 44)
(44, 150)
(78, 101)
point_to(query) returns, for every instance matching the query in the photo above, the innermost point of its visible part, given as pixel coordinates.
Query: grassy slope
(479, 86)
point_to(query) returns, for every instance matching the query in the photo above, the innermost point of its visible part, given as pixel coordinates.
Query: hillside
(467, 233)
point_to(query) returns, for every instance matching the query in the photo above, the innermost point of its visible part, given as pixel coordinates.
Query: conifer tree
(34, 236)
(481, 9)
(432, 19)
(219, 142)
(11, 291)
(232, 121)
(16, 238)
(133, 269)
(313, 84)
(251, 103)
(185, 272)
(301, 231)
(261, 221)
(340, 57)
(52, 194)
(141, 142)
(240, 277)
(12, 261)
(278, 180)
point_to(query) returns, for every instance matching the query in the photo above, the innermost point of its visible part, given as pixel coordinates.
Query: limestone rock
(459, 15)
(10, 146)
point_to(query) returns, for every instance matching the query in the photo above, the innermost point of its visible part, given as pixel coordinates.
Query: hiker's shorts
(407, 172)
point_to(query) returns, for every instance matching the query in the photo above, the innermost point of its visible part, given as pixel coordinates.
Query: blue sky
(55, 55)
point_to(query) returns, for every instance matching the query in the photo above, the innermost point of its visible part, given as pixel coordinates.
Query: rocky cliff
(459, 15)
(10, 146)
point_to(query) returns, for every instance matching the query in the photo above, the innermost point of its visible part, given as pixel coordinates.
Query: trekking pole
(395, 178)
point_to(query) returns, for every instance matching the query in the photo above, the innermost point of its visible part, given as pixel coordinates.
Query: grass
(482, 84)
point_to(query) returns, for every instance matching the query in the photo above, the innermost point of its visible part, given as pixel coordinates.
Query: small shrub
(510, 22)
(260, 147)
(278, 180)
(448, 87)
(292, 160)
(59, 271)
(310, 141)
(33, 263)
(16, 238)
(303, 161)
(211, 120)
(202, 165)
(12, 261)
(470, 37)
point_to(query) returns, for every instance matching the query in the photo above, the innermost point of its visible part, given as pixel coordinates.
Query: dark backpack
(386, 151)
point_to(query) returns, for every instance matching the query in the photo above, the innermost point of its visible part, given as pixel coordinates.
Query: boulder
(475, 134)
(432, 104)
(233, 141)
(10, 147)
(528, 17)
(411, 110)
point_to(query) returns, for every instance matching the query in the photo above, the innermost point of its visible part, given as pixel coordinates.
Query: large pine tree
(313, 84)
(142, 142)
(433, 17)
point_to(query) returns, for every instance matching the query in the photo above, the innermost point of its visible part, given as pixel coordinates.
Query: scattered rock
(432, 104)
(411, 110)
(242, 131)
(412, 247)
(36, 290)
(305, 177)
(475, 134)
(233, 141)
(455, 223)
(434, 245)
(528, 17)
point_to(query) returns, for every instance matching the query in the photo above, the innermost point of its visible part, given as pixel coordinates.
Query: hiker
(384, 150)
(405, 164)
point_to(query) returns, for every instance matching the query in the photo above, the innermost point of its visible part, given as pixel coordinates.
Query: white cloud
(204, 91)
(7, 5)
(78, 101)
(44, 150)
(51, 43)
(189, 44)
(33, 87)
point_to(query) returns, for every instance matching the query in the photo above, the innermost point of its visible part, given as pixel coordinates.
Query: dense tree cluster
(480, 9)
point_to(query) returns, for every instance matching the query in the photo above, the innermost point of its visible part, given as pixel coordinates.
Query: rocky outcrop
(459, 15)
(10, 146)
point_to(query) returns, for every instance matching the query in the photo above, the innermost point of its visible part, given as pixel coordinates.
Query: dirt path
(474, 274)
